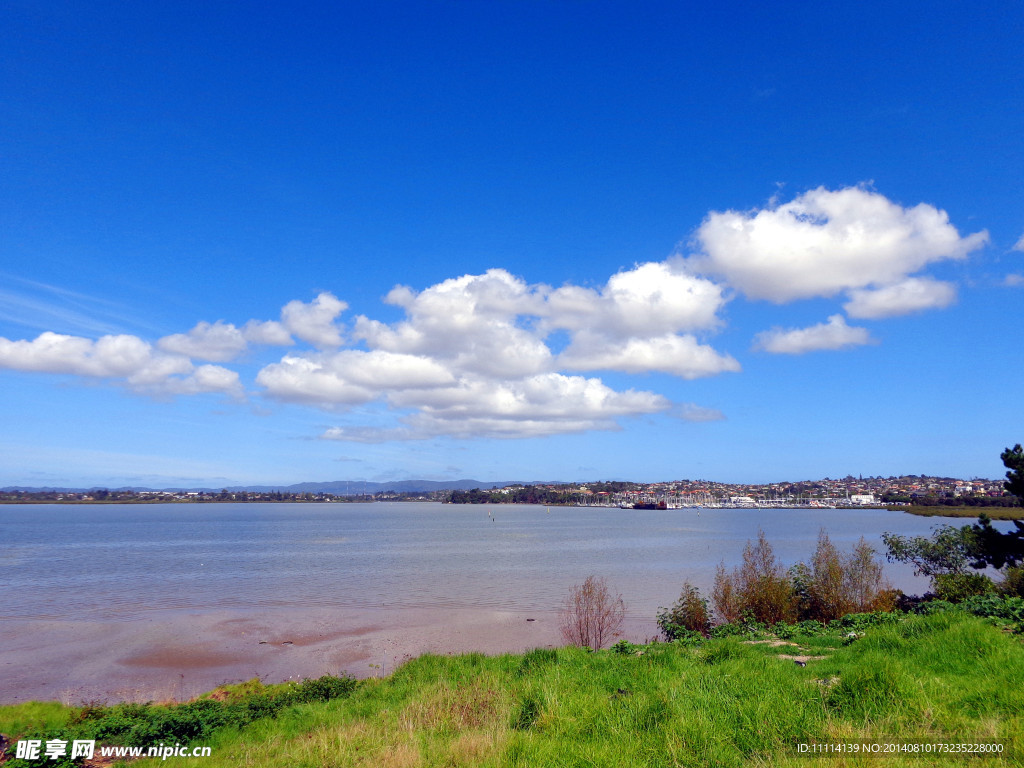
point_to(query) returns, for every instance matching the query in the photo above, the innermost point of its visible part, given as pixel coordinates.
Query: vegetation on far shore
(995, 513)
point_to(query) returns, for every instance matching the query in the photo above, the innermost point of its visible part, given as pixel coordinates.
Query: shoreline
(180, 655)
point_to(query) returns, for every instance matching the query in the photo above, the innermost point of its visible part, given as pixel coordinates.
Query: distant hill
(334, 487)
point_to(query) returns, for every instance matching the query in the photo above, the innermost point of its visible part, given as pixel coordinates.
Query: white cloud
(678, 355)
(218, 342)
(652, 299)
(824, 242)
(110, 356)
(546, 404)
(304, 380)
(494, 324)
(1014, 280)
(120, 357)
(1019, 246)
(470, 323)
(269, 332)
(349, 377)
(694, 412)
(475, 348)
(211, 378)
(835, 334)
(314, 322)
(914, 294)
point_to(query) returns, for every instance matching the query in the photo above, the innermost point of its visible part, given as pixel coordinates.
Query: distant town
(916, 490)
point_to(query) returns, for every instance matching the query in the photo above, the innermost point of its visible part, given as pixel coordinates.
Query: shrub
(1012, 584)
(591, 615)
(956, 587)
(864, 585)
(726, 596)
(688, 615)
(759, 587)
(827, 596)
(147, 724)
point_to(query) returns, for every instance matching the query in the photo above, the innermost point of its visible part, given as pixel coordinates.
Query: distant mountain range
(334, 487)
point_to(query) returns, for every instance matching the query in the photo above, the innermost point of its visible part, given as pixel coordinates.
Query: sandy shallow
(178, 655)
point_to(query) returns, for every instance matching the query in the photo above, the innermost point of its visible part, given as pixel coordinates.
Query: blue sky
(509, 240)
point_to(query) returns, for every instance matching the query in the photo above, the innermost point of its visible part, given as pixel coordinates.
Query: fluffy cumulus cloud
(834, 334)
(349, 377)
(315, 321)
(478, 347)
(119, 357)
(218, 342)
(472, 323)
(495, 324)
(914, 294)
(649, 300)
(679, 355)
(825, 242)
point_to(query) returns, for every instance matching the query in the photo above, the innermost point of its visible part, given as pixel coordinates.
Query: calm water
(122, 561)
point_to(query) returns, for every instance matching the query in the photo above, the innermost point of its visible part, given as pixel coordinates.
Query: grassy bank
(996, 513)
(729, 701)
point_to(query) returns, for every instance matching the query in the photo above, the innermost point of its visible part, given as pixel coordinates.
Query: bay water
(121, 562)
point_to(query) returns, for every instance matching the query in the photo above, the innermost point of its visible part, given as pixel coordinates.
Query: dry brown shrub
(866, 587)
(759, 587)
(829, 588)
(591, 615)
(765, 590)
(725, 596)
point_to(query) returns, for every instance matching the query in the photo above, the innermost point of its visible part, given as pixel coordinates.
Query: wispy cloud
(39, 306)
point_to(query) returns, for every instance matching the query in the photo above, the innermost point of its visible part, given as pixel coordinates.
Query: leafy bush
(132, 725)
(624, 648)
(956, 587)
(688, 615)
(991, 606)
(857, 622)
(834, 584)
(322, 689)
(1012, 584)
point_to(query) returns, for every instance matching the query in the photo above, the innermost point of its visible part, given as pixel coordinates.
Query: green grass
(727, 701)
